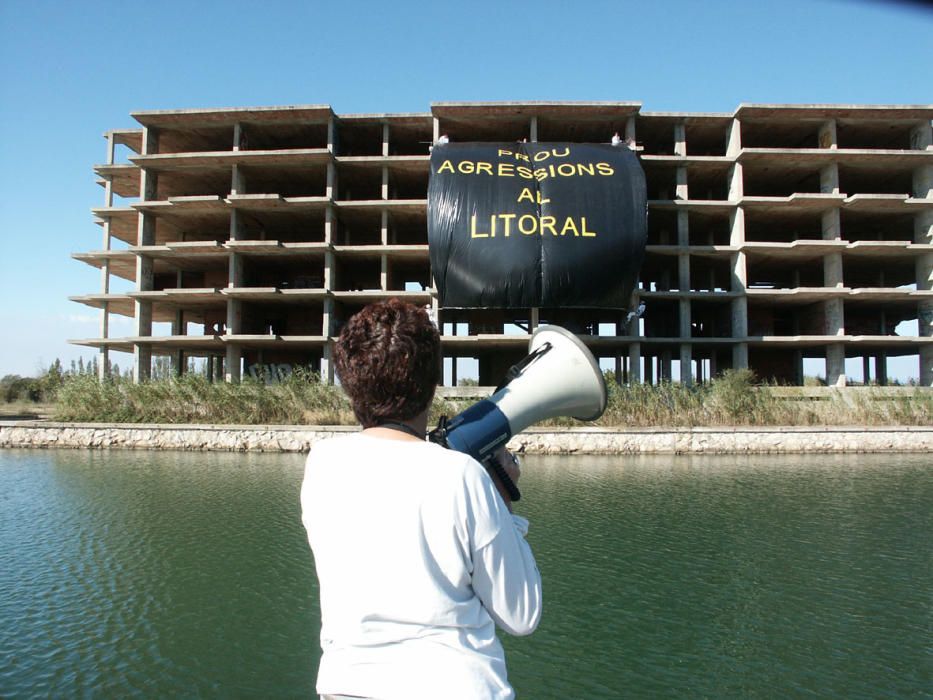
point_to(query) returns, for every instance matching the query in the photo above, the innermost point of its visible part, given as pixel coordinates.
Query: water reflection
(167, 573)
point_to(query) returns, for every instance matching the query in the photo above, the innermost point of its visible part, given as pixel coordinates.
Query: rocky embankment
(582, 440)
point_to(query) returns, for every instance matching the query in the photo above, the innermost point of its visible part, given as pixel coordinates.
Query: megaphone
(558, 377)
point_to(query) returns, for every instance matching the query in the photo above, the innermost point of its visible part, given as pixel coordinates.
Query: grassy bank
(732, 399)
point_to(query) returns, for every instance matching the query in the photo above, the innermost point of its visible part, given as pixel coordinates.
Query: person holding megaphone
(417, 552)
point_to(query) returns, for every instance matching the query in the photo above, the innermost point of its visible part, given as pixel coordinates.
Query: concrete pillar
(235, 279)
(630, 130)
(921, 136)
(881, 368)
(142, 351)
(332, 134)
(179, 328)
(835, 353)
(238, 136)
(385, 138)
(833, 309)
(734, 138)
(827, 135)
(234, 351)
(619, 368)
(680, 139)
(533, 129)
(384, 272)
(681, 190)
(111, 147)
(866, 369)
(385, 183)
(738, 283)
(666, 359)
(829, 179)
(634, 363)
(686, 346)
(331, 187)
(923, 233)
(237, 180)
(683, 276)
(437, 129)
(103, 352)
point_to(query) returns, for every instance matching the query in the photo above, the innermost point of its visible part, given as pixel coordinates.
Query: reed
(302, 399)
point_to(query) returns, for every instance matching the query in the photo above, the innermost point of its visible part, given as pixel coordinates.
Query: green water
(165, 574)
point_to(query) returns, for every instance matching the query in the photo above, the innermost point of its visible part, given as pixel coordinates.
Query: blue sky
(70, 71)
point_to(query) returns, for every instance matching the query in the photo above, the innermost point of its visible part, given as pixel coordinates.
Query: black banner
(513, 225)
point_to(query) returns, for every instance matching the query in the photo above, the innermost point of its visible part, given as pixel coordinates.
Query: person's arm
(505, 576)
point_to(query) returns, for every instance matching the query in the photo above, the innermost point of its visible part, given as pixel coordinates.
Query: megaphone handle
(492, 463)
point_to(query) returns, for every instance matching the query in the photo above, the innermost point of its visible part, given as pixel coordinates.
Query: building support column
(923, 233)
(921, 139)
(235, 279)
(833, 309)
(634, 363)
(179, 361)
(148, 191)
(683, 281)
(103, 352)
(738, 284)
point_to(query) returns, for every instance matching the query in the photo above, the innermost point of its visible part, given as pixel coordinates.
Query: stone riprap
(582, 440)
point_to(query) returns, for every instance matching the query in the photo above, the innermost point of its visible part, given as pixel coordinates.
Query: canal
(188, 574)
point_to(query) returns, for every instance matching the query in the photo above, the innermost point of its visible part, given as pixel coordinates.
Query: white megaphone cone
(559, 377)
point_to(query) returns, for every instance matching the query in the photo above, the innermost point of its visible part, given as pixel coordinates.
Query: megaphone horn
(558, 377)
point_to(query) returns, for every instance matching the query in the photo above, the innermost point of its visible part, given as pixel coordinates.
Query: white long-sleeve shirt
(418, 559)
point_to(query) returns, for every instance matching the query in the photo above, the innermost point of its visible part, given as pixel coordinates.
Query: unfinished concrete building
(778, 234)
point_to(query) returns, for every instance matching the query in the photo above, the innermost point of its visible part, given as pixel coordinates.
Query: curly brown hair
(388, 358)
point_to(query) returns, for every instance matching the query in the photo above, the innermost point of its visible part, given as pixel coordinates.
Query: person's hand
(509, 463)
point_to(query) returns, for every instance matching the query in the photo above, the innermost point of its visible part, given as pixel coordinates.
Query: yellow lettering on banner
(587, 168)
(473, 232)
(542, 201)
(529, 225)
(534, 224)
(503, 152)
(540, 174)
(542, 155)
(506, 170)
(526, 194)
(605, 169)
(569, 225)
(447, 165)
(484, 167)
(507, 218)
(525, 172)
(466, 167)
(561, 155)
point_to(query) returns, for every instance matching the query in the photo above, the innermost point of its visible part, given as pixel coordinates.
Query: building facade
(778, 235)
